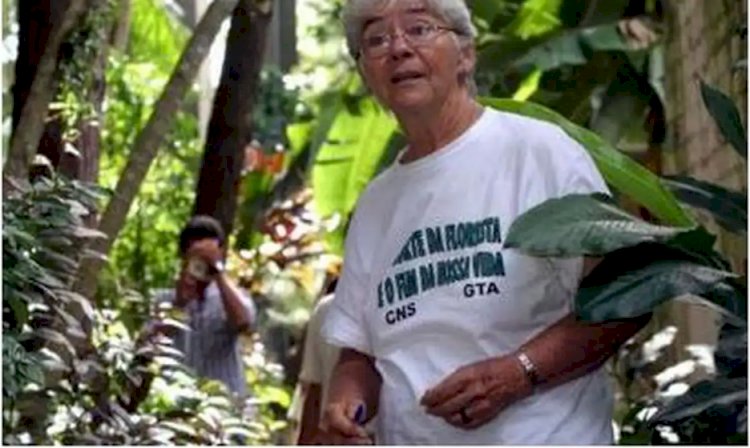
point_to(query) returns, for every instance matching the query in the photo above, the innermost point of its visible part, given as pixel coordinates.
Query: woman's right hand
(338, 425)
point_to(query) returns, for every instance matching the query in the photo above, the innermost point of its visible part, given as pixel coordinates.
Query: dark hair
(198, 228)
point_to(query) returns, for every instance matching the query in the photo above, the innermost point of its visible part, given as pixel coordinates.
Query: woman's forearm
(570, 349)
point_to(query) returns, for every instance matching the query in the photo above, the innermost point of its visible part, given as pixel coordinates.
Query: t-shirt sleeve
(582, 176)
(344, 323)
(578, 175)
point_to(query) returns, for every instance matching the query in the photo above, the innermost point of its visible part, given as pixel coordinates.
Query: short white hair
(454, 13)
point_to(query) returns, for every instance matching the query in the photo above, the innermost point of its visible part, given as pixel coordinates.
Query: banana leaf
(349, 157)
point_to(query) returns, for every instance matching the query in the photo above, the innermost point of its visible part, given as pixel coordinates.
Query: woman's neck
(430, 130)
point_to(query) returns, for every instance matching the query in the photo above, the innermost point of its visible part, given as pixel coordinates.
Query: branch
(147, 143)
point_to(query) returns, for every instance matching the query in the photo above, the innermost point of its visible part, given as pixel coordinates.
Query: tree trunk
(231, 126)
(86, 167)
(121, 32)
(31, 119)
(148, 141)
(36, 20)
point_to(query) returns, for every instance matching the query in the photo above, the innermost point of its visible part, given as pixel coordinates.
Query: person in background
(318, 360)
(218, 312)
(447, 336)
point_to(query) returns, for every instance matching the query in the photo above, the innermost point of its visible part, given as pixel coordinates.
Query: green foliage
(535, 18)
(644, 266)
(281, 124)
(155, 36)
(20, 369)
(144, 253)
(349, 156)
(43, 229)
(68, 382)
(81, 54)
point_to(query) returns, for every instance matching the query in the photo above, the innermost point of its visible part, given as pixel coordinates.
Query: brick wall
(703, 41)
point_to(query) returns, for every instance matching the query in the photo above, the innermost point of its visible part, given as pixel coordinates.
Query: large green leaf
(556, 49)
(620, 171)
(345, 163)
(727, 117)
(573, 47)
(582, 224)
(155, 36)
(634, 281)
(703, 396)
(728, 207)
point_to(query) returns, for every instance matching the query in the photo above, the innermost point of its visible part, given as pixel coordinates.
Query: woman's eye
(375, 41)
(419, 30)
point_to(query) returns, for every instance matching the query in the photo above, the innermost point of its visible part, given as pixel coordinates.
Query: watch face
(198, 269)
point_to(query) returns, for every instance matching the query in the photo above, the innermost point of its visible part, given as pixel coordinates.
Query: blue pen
(360, 414)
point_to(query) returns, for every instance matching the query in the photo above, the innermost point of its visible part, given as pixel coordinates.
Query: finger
(481, 412)
(455, 420)
(449, 387)
(339, 420)
(455, 403)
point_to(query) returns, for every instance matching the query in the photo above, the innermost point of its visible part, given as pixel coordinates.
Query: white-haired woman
(447, 337)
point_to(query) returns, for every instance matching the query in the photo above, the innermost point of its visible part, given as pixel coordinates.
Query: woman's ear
(468, 59)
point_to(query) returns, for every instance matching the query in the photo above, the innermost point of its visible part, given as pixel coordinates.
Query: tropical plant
(147, 144)
(73, 374)
(646, 265)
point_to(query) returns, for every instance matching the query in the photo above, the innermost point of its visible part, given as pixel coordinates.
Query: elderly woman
(446, 336)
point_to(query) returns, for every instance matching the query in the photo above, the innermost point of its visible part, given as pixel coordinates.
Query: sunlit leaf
(529, 86)
(535, 18)
(350, 156)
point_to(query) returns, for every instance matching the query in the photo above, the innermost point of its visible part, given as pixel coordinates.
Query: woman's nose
(399, 45)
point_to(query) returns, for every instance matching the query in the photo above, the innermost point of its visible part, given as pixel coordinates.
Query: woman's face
(410, 59)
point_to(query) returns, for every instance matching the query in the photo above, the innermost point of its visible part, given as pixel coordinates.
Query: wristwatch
(530, 369)
(219, 267)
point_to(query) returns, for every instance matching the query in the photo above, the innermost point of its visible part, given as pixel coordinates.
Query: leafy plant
(74, 374)
(646, 265)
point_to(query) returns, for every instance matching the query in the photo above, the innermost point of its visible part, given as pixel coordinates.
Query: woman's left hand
(474, 394)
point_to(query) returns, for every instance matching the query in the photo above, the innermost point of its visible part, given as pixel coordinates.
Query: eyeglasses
(418, 34)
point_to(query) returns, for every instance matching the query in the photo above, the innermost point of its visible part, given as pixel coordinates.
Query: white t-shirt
(427, 288)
